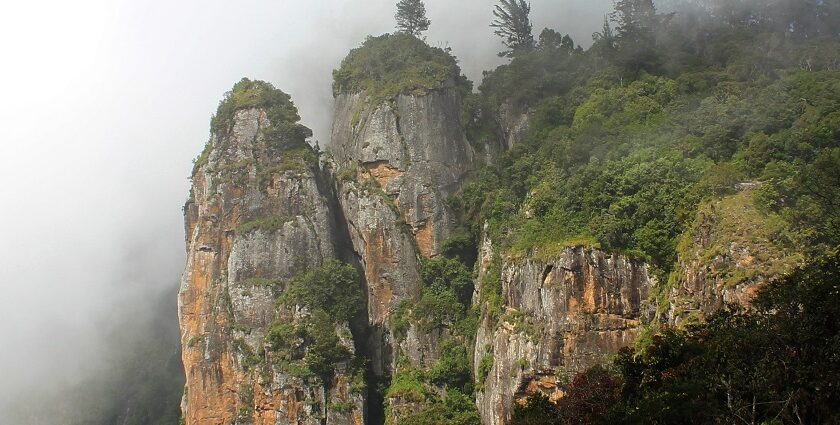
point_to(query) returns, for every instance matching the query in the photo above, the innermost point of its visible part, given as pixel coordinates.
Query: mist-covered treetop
(393, 64)
(411, 17)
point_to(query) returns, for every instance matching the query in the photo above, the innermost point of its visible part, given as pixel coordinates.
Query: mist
(106, 103)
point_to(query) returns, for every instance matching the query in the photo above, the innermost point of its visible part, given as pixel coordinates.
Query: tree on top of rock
(637, 23)
(513, 25)
(411, 17)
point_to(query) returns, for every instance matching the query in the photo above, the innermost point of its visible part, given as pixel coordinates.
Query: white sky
(104, 105)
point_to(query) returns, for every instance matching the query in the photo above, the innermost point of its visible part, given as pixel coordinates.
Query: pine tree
(513, 25)
(604, 41)
(636, 26)
(411, 17)
(636, 19)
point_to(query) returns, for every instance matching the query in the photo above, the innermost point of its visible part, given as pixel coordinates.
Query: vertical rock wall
(254, 220)
(558, 318)
(396, 163)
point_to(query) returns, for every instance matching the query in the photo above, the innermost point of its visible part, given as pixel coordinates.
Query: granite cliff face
(259, 215)
(557, 318)
(255, 218)
(514, 122)
(396, 164)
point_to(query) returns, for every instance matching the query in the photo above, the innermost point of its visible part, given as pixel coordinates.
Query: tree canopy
(513, 24)
(411, 17)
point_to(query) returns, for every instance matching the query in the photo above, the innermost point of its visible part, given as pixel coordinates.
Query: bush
(325, 350)
(333, 287)
(450, 274)
(452, 369)
(268, 225)
(455, 409)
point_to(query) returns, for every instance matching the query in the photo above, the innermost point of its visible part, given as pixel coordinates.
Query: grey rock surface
(559, 317)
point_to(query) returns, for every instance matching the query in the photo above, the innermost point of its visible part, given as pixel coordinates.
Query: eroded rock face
(255, 219)
(396, 163)
(515, 122)
(413, 148)
(731, 251)
(558, 318)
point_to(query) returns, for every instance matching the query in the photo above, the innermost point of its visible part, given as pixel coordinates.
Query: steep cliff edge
(399, 151)
(553, 319)
(258, 215)
(731, 251)
(396, 167)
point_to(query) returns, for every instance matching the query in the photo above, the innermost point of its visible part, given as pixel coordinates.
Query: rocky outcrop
(396, 163)
(729, 253)
(515, 122)
(557, 317)
(413, 148)
(255, 218)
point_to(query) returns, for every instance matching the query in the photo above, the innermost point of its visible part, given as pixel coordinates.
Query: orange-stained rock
(399, 161)
(253, 216)
(560, 317)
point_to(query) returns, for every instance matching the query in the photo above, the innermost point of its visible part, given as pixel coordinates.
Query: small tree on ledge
(411, 17)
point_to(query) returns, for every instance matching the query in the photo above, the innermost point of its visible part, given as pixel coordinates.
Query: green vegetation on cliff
(774, 364)
(444, 309)
(630, 146)
(333, 287)
(620, 155)
(285, 130)
(329, 295)
(393, 64)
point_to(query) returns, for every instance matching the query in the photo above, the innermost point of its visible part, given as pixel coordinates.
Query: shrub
(325, 350)
(333, 287)
(448, 273)
(452, 369)
(484, 367)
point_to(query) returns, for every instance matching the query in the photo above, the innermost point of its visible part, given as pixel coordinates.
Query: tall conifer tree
(411, 17)
(513, 25)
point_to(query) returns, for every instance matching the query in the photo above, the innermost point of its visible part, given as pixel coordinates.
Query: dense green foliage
(444, 308)
(454, 406)
(446, 296)
(332, 295)
(619, 155)
(393, 64)
(333, 287)
(778, 363)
